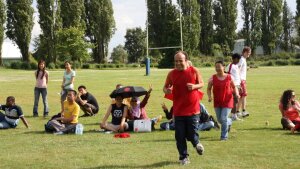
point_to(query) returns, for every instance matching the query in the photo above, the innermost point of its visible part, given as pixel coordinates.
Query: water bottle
(79, 129)
(167, 126)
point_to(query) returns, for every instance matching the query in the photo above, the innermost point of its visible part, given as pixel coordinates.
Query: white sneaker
(200, 149)
(185, 161)
(245, 114)
(239, 114)
(234, 117)
(58, 133)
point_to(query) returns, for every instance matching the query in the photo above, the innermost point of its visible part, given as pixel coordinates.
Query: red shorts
(243, 89)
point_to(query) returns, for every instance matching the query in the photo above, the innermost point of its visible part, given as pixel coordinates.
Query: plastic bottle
(167, 126)
(79, 129)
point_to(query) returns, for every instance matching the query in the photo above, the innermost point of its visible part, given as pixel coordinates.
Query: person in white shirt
(243, 72)
(234, 71)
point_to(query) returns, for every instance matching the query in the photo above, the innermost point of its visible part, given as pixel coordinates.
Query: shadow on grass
(36, 132)
(154, 165)
(264, 128)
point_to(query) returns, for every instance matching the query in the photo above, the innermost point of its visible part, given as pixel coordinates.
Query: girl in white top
(41, 76)
(67, 83)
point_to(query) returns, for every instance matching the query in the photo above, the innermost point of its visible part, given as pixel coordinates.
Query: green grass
(251, 144)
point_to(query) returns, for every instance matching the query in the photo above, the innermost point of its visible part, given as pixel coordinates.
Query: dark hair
(221, 62)
(11, 98)
(236, 56)
(246, 49)
(38, 69)
(286, 96)
(74, 91)
(81, 86)
(184, 53)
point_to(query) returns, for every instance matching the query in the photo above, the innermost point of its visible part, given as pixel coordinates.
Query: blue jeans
(164, 124)
(186, 129)
(37, 93)
(205, 126)
(222, 116)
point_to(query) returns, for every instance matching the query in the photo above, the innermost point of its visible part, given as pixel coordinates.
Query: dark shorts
(87, 106)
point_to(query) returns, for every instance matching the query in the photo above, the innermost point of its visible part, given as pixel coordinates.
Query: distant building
(240, 43)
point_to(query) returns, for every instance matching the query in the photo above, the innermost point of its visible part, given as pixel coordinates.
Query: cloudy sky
(127, 13)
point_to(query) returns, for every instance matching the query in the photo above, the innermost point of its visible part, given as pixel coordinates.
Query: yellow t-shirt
(71, 110)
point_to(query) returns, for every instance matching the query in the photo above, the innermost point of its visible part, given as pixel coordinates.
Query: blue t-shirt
(12, 114)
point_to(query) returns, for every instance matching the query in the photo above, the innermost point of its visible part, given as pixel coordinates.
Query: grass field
(252, 144)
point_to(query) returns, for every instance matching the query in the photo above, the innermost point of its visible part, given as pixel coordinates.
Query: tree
(163, 29)
(135, 44)
(73, 14)
(271, 24)
(100, 26)
(287, 24)
(119, 55)
(225, 14)
(190, 10)
(252, 22)
(2, 21)
(50, 22)
(19, 24)
(71, 45)
(206, 38)
(297, 19)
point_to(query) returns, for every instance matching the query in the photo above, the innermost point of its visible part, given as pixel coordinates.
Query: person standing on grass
(67, 83)
(234, 71)
(223, 87)
(69, 115)
(243, 90)
(87, 102)
(183, 82)
(41, 76)
(12, 114)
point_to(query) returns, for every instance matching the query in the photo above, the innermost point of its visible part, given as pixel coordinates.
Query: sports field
(258, 142)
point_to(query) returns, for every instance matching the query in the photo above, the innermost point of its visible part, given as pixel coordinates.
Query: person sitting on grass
(69, 115)
(87, 102)
(12, 114)
(137, 111)
(206, 121)
(118, 111)
(290, 108)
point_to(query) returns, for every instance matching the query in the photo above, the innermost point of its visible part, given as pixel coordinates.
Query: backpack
(48, 127)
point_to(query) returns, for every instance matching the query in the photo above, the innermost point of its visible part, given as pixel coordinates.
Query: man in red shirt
(183, 82)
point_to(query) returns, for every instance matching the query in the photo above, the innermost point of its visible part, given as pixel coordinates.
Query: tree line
(80, 30)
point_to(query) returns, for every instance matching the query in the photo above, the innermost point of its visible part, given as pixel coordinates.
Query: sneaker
(58, 133)
(35, 115)
(234, 117)
(185, 161)
(239, 114)
(245, 114)
(157, 119)
(46, 114)
(200, 149)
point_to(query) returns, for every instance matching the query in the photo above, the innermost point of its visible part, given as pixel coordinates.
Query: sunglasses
(133, 100)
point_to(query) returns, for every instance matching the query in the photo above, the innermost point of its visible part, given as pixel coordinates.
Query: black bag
(286, 124)
(48, 127)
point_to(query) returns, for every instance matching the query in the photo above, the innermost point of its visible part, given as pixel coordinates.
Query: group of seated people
(125, 111)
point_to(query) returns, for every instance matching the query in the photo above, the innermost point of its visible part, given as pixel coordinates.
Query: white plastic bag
(142, 126)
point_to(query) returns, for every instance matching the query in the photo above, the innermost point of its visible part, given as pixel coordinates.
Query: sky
(128, 14)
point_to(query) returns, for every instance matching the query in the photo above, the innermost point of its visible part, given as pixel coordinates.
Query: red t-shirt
(222, 92)
(291, 113)
(185, 102)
